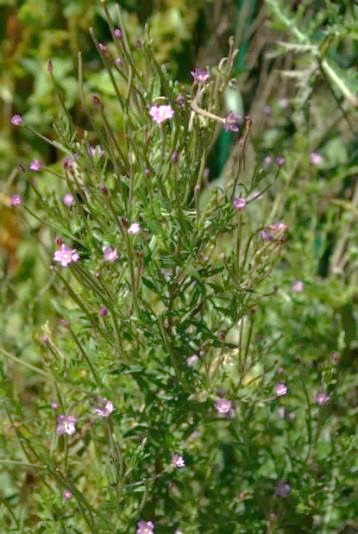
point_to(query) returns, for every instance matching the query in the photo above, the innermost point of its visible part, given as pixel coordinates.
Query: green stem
(86, 358)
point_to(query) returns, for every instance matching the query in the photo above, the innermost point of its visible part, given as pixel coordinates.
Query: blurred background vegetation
(296, 76)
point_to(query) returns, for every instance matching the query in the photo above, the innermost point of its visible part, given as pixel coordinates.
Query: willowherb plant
(150, 367)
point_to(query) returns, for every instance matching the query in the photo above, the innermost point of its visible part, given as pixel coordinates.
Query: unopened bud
(118, 33)
(97, 101)
(174, 157)
(103, 48)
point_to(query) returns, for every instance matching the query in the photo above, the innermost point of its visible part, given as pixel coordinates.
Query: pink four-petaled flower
(65, 255)
(322, 398)
(145, 527)
(134, 229)
(178, 461)
(66, 424)
(280, 389)
(316, 158)
(297, 286)
(239, 203)
(104, 408)
(16, 120)
(161, 114)
(67, 494)
(200, 75)
(223, 406)
(110, 254)
(36, 165)
(15, 201)
(68, 200)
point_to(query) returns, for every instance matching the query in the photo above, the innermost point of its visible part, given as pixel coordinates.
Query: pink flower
(110, 254)
(104, 408)
(15, 201)
(36, 165)
(268, 160)
(134, 229)
(64, 256)
(322, 398)
(67, 494)
(66, 424)
(68, 200)
(160, 114)
(178, 461)
(145, 527)
(266, 235)
(200, 75)
(16, 120)
(297, 286)
(280, 161)
(280, 389)
(223, 406)
(316, 158)
(239, 203)
(103, 312)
